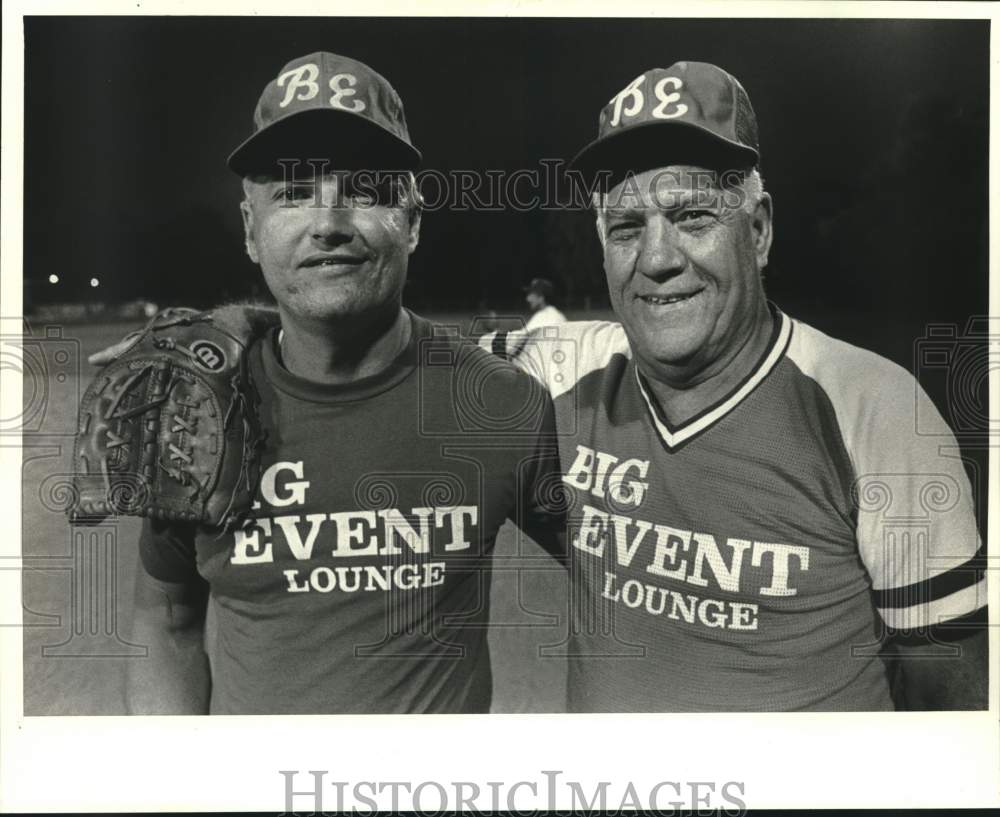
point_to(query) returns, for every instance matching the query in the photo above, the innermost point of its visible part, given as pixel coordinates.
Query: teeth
(663, 301)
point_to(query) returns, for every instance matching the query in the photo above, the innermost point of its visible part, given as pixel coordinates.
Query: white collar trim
(701, 422)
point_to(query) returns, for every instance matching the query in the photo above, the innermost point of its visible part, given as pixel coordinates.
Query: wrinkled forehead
(385, 188)
(311, 174)
(673, 186)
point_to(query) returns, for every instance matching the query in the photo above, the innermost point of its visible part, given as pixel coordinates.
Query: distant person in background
(540, 295)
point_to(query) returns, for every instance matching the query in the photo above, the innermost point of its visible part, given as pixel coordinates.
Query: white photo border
(92, 764)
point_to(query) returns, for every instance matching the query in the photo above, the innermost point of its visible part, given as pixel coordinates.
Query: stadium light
(53, 279)
(94, 282)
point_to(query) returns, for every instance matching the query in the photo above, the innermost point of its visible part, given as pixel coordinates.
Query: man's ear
(762, 225)
(602, 234)
(414, 231)
(248, 235)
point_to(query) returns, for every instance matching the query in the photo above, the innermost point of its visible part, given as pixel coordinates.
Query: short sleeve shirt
(361, 582)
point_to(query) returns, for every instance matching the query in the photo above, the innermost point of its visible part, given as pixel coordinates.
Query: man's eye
(294, 194)
(695, 217)
(624, 231)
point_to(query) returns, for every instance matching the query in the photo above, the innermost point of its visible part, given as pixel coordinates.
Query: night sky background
(874, 142)
(873, 135)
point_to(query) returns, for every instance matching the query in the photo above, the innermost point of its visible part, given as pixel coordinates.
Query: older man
(360, 582)
(742, 483)
(756, 521)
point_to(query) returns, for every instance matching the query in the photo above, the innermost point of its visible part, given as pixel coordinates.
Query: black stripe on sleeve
(500, 343)
(958, 578)
(943, 632)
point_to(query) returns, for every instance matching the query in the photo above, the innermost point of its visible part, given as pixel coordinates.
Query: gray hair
(748, 186)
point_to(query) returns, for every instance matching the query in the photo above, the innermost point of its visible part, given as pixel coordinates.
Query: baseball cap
(543, 286)
(326, 106)
(690, 113)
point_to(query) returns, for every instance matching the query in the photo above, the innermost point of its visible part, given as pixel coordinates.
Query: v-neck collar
(674, 436)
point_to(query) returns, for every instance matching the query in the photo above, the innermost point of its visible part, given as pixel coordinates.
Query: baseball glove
(171, 428)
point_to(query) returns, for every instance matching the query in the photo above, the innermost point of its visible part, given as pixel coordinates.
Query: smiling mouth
(333, 261)
(667, 300)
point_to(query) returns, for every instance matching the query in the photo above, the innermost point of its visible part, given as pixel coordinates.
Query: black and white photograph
(562, 374)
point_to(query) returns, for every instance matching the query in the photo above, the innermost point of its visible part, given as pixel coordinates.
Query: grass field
(77, 583)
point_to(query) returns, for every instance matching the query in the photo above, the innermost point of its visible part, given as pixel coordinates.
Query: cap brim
(348, 141)
(650, 145)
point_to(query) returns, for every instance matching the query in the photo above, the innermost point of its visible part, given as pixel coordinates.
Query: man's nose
(332, 223)
(661, 255)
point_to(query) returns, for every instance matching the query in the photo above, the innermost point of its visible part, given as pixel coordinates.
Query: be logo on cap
(324, 105)
(642, 98)
(689, 113)
(301, 85)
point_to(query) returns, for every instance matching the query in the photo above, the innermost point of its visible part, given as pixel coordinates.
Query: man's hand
(929, 679)
(169, 620)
